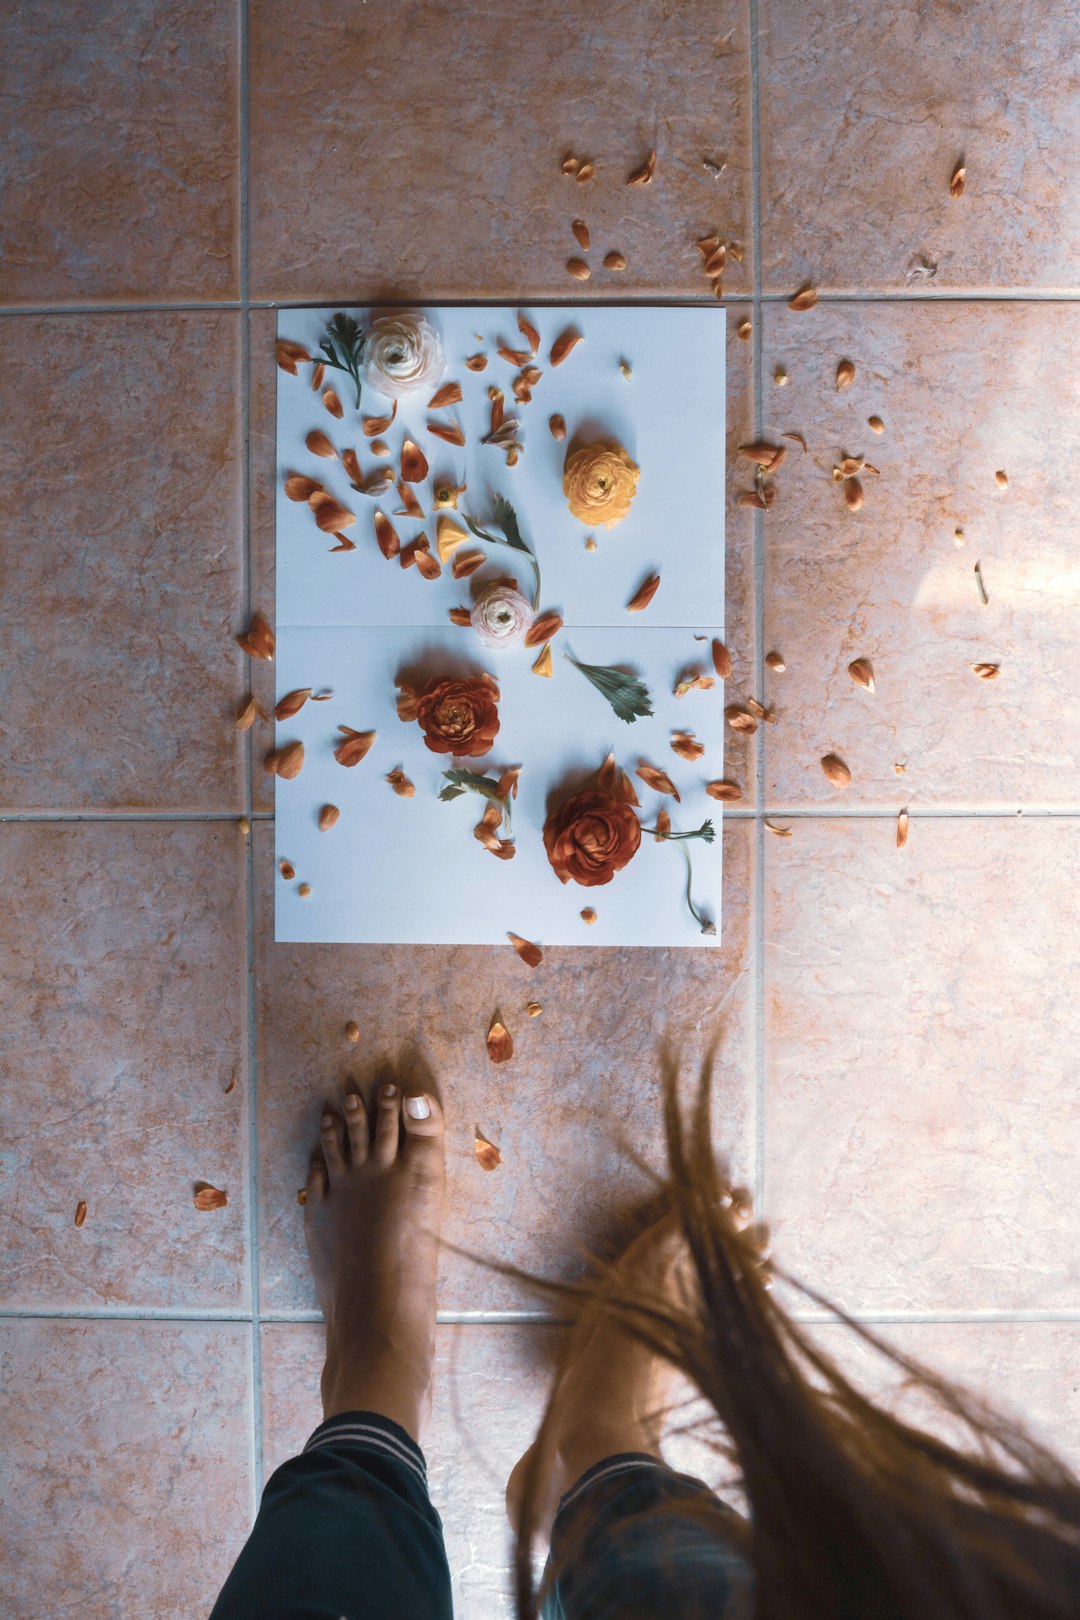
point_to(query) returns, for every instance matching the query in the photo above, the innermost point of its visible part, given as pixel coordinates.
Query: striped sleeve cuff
(374, 1433)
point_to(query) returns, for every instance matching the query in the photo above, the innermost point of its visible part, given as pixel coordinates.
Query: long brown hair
(853, 1513)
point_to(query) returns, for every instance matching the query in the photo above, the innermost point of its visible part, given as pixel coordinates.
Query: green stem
(706, 926)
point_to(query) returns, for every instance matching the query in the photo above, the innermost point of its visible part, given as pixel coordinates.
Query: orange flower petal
(299, 488)
(287, 869)
(354, 747)
(499, 1045)
(721, 660)
(292, 703)
(642, 176)
(351, 463)
(588, 915)
(448, 394)
(448, 431)
(328, 817)
(258, 640)
(343, 543)
(410, 506)
(460, 616)
(467, 562)
(644, 595)
(448, 537)
(530, 954)
(428, 566)
(288, 354)
(508, 782)
(563, 345)
(686, 745)
(515, 357)
(663, 825)
(543, 628)
(805, 298)
(477, 362)
(317, 377)
(330, 516)
(320, 445)
(543, 665)
(208, 1197)
(373, 426)
(400, 784)
(80, 1212)
(488, 1156)
(726, 792)
(386, 535)
(414, 465)
(659, 780)
(333, 403)
(529, 333)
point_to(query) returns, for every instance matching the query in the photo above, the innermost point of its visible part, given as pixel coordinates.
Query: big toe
(424, 1150)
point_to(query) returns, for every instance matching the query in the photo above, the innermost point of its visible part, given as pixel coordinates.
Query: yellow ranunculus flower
(600, 481)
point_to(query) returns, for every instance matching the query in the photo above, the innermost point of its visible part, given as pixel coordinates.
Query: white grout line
(208, 1317)
(349, 299)
(249, 864)
(757, 906)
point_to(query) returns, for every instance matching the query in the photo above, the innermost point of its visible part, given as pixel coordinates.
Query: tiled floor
(895, 1025)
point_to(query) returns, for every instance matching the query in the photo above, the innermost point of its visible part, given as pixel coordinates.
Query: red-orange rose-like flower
(459, 717)
(591, 837)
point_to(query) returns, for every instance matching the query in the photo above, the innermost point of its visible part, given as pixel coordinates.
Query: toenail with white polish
(327, 1122)
(352, 1102)
(389, 1091)
(418, 1108)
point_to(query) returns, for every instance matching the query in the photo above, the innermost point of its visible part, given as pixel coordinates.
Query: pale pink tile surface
(867, 110)
(122, 1026)
(122, 132)
(338, 120)
(583, 1079)
(121, 560)
(1027, 1371)
(964, 390)
(922, 1123)
(130, 1457)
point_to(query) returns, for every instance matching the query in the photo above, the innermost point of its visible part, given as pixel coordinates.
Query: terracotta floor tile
(123, 1017)
(583, 1077)
(131, 1446)
(965, 390)
(866, 113)
(921, 1122)
(491, 1384)
(1027, 1370)
(741, 751)
(123, 133)
(496, 103)
(121, 557)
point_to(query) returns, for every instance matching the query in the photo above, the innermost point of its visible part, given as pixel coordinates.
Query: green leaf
(506, 518)
(469, 781)
(628, 696)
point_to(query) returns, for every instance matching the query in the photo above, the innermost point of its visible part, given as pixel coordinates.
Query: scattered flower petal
(467, 562)
(564, 343)
(686, 745)
(499, 1045)
(614, 260)
(477, 362)
(449, 432)
(208, 1197)
(845, 375)
(853, 494)
(414, 465)
(875, 424)
(721, 660)
(805, 298)
(288, 354)
(333, 403)
(642, 176)
(386, 535)
(448, 394)
(328, 817)
(287, 869)
(578, 269)
(836, 771)
(258, 640)
(986, 672)
(780, 832)
(543, 665)
(739, 718)
(488, 1156)
(530, 954)
(292, 703)
(588, 915)
(80, 1207)
(533, 1008)
(1001, 479)
(774, 662)
(448, 537)
(299, 488)
(543, 628)
(727, 792)
(901, 829)
(956, 184)
(410, 506)
(862, 673)
(644, 594)
(401, 784)
(663, 827)
(320, 445)
(375, 426)
(354, 745)
(657, 779)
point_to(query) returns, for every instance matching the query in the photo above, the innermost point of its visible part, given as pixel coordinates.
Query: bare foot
(372, 1221)
(614, 1392)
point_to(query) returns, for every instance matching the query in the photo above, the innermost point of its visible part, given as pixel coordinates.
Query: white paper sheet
(409, 870)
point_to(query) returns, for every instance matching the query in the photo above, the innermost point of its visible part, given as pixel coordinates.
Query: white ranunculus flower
(402, 353)
(501, 616)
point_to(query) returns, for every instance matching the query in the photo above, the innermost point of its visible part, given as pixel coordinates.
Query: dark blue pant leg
(345, 1531)
(634, 1541)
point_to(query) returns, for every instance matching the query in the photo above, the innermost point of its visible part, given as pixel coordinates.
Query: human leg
(347, 1528)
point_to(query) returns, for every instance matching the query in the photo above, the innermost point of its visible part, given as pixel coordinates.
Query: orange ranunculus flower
(599, 482)
(459, 717)
(591, 837)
